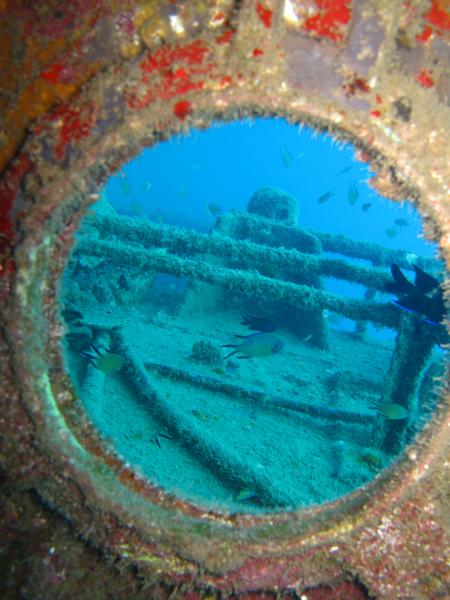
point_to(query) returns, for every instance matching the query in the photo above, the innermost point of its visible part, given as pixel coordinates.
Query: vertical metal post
(413, 346)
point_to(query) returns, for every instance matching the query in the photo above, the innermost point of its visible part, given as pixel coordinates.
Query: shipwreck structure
(254, 262)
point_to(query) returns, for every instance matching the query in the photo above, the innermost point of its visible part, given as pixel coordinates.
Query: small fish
(137, 208)
(123, 282)
(107, 362)
(213, 210)
(155, 440)
(324, 197)
(365, 207)
(352, 194)
(425, 296)
(78, 336)
(125, 186)
(182, 191)
(286, 157)
(256, 345)
(258, 323)
(392, 412)
(147, 186)
(391, 232)
(401, 222)
(218, 370)
(246, 494)
(345, 170)
(200, 416)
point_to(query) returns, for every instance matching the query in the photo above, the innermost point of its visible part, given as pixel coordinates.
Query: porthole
(91, 92)
(249, 324)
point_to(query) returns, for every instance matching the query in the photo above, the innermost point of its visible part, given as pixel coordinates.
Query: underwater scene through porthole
(248, 323)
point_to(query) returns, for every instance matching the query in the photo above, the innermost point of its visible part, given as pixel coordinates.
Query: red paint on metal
(425, 35)
(8, 192)
(164, 57)
(225, 37)
(425, 79)
(332, 15)
(437, 15)
(376, 113)
(182, 109)
(76, 124)
(257, 52)
(257, 573)
(226, 81)
(175, 81)
(345, 590)
(438, 18)
(53, 73)
(175, 85)
(180, 73)
(265, 14)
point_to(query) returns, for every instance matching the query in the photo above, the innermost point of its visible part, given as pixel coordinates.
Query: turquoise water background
(227, 163)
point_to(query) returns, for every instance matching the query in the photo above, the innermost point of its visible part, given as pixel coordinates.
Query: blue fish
(425, 296)
(324, 197)
(352, 194)
(286, 157)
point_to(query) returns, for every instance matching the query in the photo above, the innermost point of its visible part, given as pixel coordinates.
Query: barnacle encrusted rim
(103, 480)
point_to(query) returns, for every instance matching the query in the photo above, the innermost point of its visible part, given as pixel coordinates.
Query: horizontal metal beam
(238, 281)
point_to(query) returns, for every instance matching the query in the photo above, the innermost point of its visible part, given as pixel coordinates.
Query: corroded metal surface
(87, 84)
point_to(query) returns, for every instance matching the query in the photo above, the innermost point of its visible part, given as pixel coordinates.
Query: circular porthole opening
(248, 323)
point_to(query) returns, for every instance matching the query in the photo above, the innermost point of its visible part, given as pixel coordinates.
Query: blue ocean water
(297, 416)
(227, 163)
